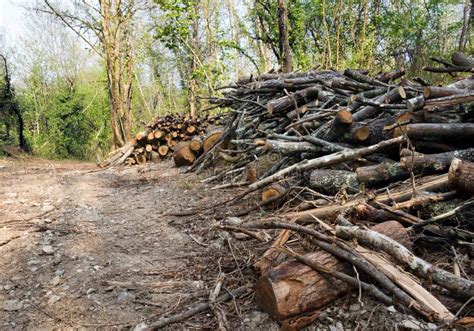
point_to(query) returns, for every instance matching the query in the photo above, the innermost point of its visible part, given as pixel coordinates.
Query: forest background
(85, 74)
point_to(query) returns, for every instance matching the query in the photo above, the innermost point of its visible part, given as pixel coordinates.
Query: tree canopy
(87, 74)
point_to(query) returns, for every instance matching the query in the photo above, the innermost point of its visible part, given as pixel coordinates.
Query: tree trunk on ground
(439, 131)
(381, 173)
(293, 288)
(184, 156)
(432, 163)
(330, 181)
(283, 38)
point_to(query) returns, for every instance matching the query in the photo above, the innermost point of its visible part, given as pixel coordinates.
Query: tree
(283, 38)
(9, 104)
(181, 27)
(111, 23)
(468, 13)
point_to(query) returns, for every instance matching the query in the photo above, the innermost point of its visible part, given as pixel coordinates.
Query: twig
(161, 323)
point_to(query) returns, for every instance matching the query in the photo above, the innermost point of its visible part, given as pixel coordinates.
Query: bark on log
(329, 181)
(432, 92)
(195, 144)
(391, 76)
(369, 111)
(416, 103)
(461, 286)
(381, 173)
(325, 161)
(461, 176)
(293, 288)
(432, 163)
(211, 139)
(461, 59)
(439, 131)
(293, 100)
(448, 101)
(288, 147)
(328, 211)
(184, 156)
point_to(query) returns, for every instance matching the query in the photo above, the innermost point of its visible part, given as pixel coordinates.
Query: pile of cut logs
(359, 165)
(174, 135)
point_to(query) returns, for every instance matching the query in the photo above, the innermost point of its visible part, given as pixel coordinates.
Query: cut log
(293, 288)
(273, 192)
(148, 147)
(329, 181)
(462, 60)
(191, 129)
(381, 173)
(140, 158)
(141, 135)
(432, 163)
(159, 134)
(451, 100)
(431, 92)
(360, 133)
(424, 269)
(151, 136)
(195, 144)
(438, 131)
(184, 156)
(293, 100)
(163, 150)
(339, 125)
(461, 176)
(211, 139)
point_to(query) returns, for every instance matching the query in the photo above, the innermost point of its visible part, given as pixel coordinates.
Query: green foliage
(63, 120)
(187, 48)
(373, 34)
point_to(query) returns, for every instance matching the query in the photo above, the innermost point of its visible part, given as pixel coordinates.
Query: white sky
(11, 18)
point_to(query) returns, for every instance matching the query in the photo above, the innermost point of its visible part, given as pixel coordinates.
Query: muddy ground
(88, 249)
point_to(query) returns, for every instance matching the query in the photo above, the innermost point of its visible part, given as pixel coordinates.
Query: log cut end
(293, 288)
(272, 192)
(211, 139)
(163, 150)
(344, 117)
(362, 133)
(184, 157)
(196, 144)
(461, 176)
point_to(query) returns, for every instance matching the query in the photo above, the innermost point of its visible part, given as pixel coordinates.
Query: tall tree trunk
(283, 38)
(194, 61)
(466, 24)
(11, 104)
(117, 49)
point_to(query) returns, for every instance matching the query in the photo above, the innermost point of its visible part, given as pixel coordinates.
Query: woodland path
(87, 248)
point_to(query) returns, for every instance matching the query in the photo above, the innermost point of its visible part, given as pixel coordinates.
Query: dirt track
(88, 249)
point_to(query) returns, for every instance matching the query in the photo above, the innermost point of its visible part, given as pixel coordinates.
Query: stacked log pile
(360, 166)
(174, 135)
